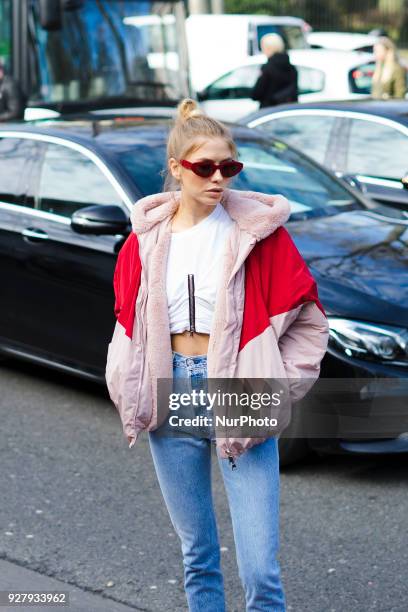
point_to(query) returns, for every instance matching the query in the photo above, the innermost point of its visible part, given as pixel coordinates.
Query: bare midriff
(187, 344)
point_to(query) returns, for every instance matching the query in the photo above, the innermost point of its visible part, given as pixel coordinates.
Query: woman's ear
(174, 168)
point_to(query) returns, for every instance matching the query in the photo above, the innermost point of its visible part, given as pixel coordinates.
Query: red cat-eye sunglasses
(207, 168)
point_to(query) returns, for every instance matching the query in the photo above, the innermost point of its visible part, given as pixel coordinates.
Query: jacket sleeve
(303, 346)
(296, 315)
(126, 282)
(400, 85)
(260, 87)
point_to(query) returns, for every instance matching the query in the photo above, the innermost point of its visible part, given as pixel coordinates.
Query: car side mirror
(100, 219)
(202, 95)
(404, 181)
(352, 181)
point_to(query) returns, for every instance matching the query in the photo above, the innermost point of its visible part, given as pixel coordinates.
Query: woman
(389, 78)
(277, 83)
(210, 285)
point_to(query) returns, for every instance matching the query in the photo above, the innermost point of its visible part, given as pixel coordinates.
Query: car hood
(360, 263)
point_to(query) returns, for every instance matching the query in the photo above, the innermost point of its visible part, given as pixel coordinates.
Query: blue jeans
(183, 468)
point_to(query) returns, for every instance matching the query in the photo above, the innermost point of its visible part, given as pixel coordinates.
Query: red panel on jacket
(126, 282)
(276, 271)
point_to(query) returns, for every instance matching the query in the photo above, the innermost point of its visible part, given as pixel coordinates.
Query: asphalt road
(79, 506)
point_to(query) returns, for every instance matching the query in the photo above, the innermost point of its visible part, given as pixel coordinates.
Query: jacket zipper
(140, 330)
(233, 279)
(191, 303)
(231, 459)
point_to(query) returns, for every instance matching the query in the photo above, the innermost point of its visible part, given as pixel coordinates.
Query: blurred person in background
(389, 79)
(12, 99)
(277, 83)
(378, 32)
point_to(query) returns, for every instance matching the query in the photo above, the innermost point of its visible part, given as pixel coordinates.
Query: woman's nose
(217, 175)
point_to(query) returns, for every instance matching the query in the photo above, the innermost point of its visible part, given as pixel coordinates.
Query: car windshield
(270, 166)
(292, 35)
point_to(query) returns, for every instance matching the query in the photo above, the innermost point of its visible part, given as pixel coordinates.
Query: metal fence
(336, 15)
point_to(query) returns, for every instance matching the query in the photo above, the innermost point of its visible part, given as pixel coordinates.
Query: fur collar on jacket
(258, 214)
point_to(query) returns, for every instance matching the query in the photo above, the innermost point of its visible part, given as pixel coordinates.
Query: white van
(217, 43)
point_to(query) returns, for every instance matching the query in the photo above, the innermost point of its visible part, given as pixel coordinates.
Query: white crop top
(197, 250)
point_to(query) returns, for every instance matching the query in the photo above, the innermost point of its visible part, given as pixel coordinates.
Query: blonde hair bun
(188, 108)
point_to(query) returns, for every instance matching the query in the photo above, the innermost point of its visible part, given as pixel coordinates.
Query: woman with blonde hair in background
(210, 285)
(389, 79)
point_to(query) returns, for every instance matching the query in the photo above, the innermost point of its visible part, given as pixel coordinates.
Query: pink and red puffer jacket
(268, 320)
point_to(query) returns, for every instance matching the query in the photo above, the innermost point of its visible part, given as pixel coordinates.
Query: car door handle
(34, 234)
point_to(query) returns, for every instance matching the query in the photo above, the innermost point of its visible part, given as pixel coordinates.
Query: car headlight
(369, 341)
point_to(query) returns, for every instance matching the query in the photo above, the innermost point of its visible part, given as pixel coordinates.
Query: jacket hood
(256, 213)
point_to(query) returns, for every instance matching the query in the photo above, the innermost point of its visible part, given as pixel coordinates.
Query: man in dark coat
(277, 83)
(12, 99)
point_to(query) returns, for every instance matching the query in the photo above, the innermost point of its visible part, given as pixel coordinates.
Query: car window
(376, 150)
(240, 80)
(269, 167)
(309, 133)
(70, 180)
(365, 49)
(292, 35)
(360, 78)
(295, 37)
(310, 80)
(145, 163)
(17, 157)
(275, 168)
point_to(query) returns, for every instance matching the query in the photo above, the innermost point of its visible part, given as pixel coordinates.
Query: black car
(365, 140)
(66, 191)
